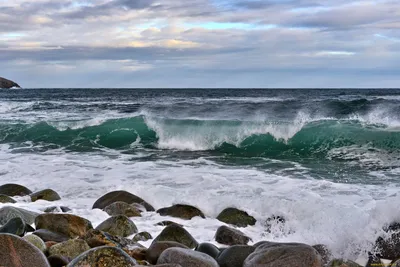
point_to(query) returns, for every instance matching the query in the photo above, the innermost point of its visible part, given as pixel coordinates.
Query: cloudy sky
(200, 43)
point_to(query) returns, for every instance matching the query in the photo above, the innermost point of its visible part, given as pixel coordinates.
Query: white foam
(345, 217)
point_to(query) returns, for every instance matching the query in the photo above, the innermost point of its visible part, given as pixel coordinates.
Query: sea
(326, 160)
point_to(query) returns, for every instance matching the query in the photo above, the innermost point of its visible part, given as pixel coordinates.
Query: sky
(200, 43)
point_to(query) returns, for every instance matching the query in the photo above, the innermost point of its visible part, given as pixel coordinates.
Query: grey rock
(155, 250)
(236, 217)
(69, 249)
(122, 208)
(342, 263)
(178, 234)
(8, 212)
(12, 190)
(36, 241)
(123, 196)
(209, 249)
(47, 235)
(229, 236)
(65, 224)
(6, 199)
(47, 194)
(186, 212)
(14, 249)
(57, 209)
(142, 236)
(103, 256)
(119, 225)
(284, 255)
(234, 256)
(187, 258)
(15, 226)
(97, 238)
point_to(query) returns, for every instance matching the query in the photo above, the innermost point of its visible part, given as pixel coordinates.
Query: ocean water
(326, 160)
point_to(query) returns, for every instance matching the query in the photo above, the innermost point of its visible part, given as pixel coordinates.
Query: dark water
(350, 136)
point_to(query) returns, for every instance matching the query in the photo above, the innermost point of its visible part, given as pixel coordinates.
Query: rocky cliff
(4, 83)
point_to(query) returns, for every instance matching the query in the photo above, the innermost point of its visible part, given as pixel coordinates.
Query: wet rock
(49, 244)
(209, 249)
(65, 224)
(57, 209)
(142, 236)
(178, 234)
(234, 256)
(137, 253)
(168, 265)
(7, 84)
(70, 249)
(14, 250)
(166, 223)
(97, 238)
(6, 199)
(47, 235)
(395, 264)
(155, 250)
(187, 258)
(122, 196)
(58, 261)
(229, 236)
(342, 263)
(47, 194)
(119, 225)
(186, 212)
(8, 212)
(36, 241)
(15, 226)
(103, 256)
(122, 208)
(274, 221)
(236, 217)
(324, 252)
(388, 247)
(12, 190)
(283, 255)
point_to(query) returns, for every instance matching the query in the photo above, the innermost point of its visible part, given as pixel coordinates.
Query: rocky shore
(56, 237)
(7, 84)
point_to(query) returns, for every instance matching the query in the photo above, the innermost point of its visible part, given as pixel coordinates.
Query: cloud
(209, 42)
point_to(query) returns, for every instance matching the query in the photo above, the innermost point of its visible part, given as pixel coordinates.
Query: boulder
(187, 258)
(13, 190)
(103, 256)
(155, 250)
(8, 212)
(209, 249)
(65, 224)
(36, 241)
(229, 236)
(97, 238)
(47, 194)
(342, 263)
(123, 196)
(178, 234)
(15, 226)
(388, 246)
(234, 256)
(14, 251)
(166, 223)
(47, 235)
(119, 225)
(186, 212)
(7, 84)
(122, 208)
(396, 264)
(69, 249)
(57, 209)
(283, 255)
(236, 217)
(324, 252)
(142, 236)
(6, 199)
(58, 261)
(168, 265)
